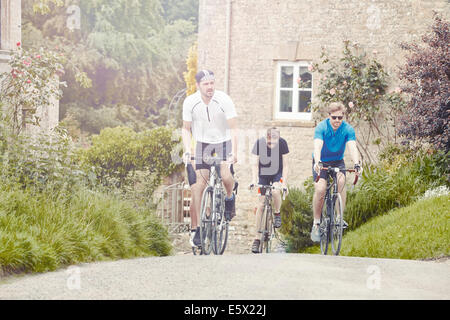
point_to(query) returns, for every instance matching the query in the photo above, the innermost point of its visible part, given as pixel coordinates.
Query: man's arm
(318, 144)
(254, 162)
(354, 154)
(232, 124)
(285, 169)
(186, 136)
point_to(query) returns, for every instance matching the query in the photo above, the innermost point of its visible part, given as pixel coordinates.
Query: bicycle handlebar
(335, 169)
(269, 187)
(210, 160)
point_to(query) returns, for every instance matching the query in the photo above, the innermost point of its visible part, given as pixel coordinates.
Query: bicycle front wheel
(324, 229)
(337, 225)
(267, 233)
(221, 225)
(206, 221)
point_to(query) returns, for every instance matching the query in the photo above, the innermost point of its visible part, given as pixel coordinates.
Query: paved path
(243, 276)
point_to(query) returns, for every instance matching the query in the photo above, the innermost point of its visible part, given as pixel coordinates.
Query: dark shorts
(324, 174)
(266, 180)
(222, 150)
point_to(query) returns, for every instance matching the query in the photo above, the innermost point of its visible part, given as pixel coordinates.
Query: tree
(426, 76)
(132, 54)
(189, 75)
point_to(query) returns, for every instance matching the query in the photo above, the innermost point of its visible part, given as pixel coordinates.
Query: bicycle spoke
(221, 225)
(324, 229)
(336, 240)
(206, 223)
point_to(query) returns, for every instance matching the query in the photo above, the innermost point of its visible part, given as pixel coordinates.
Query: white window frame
(294, 115)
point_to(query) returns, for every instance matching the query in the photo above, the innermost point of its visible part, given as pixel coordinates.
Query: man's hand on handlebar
(186, 158)
(318, 166)
(358, 169)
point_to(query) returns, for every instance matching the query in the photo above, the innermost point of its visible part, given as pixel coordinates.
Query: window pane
(305, 78)
(285, 101)
(287, 77)
(304, 101)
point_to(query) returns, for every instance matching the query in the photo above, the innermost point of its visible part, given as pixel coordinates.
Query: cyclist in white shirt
(209, 116)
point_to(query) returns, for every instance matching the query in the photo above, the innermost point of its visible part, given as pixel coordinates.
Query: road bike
(331, 221)
(267, 229)
(213, 225)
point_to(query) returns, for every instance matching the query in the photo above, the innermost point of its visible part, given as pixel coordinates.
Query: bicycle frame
(217, 218)
(268, 232)
(329, 228)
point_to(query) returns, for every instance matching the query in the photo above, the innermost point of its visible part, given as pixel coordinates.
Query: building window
(294, 91)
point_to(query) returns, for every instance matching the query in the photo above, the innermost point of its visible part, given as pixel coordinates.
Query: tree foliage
(132, 51)
(119, 154)
(189, 75)
(426, 79)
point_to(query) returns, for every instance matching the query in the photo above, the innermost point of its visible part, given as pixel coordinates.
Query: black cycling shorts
(205, 150)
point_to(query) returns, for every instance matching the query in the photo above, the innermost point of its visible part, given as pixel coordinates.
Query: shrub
(426, 77)
(395, 183)
(41, 162)
(297, 215)
(118, 154)
(33, 80)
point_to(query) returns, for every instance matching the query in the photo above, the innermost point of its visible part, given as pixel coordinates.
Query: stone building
(10, 35)
(258, 48)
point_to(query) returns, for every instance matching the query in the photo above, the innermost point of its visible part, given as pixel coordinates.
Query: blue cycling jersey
(333, 141)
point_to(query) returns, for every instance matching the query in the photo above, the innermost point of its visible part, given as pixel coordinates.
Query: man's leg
(227, 178)
(260, 208)
(259, 211)
(196, 196)
(276, 196)
(343, 192)
(342, 189)
(228, 182)
(318, 200)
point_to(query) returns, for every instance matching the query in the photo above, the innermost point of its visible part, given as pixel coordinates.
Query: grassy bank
(42, 232)
(418, 231)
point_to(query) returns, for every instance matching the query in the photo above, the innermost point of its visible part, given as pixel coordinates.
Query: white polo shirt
(209, 122)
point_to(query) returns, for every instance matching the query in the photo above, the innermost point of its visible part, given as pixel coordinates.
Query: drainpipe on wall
(227, 47)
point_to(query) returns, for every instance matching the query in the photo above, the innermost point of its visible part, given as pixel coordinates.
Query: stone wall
(265, 31)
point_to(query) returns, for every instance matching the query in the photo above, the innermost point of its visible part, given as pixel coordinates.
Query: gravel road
(243, 276)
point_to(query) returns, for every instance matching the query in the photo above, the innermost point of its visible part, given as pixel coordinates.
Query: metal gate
(173, 207)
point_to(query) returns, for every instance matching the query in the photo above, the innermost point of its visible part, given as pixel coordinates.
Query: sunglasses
(337, 117)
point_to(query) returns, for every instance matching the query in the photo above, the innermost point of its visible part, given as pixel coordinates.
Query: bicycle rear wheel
(221, 225)
(324, 229)
(206, 221)
(337, 225)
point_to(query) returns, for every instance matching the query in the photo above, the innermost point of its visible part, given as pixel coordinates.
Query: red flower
(28, 81)
(18, 44)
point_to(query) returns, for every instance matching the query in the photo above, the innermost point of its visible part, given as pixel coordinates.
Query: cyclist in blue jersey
(331, 137)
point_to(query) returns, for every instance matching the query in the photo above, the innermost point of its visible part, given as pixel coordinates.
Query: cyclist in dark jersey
(270, 165)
